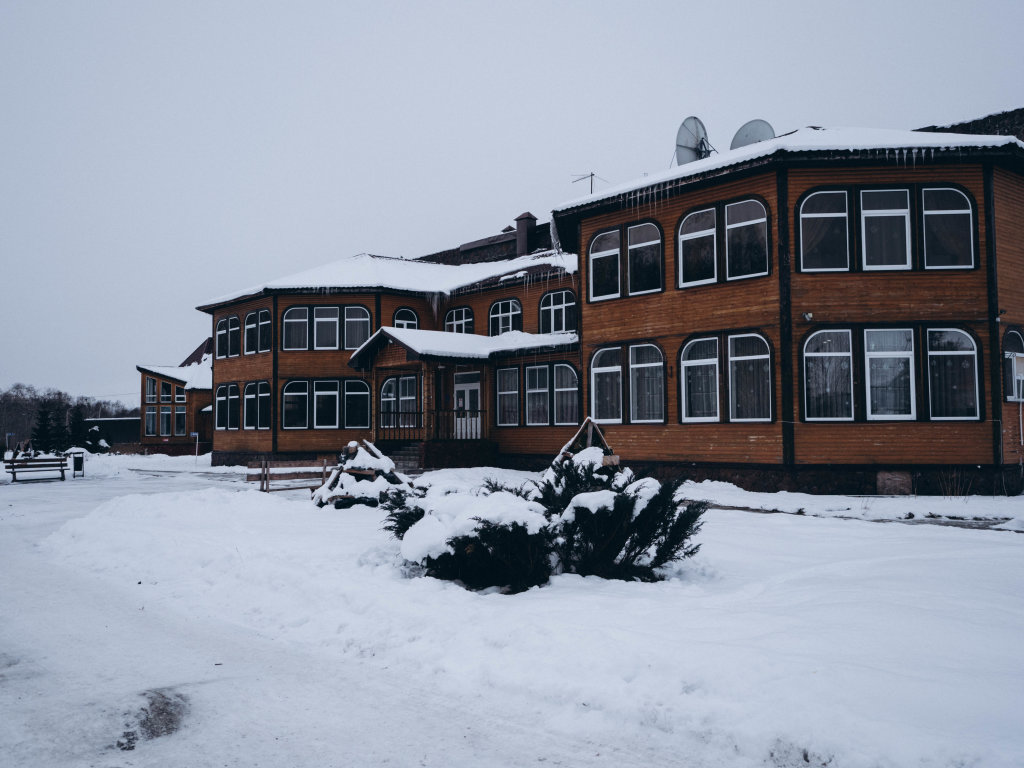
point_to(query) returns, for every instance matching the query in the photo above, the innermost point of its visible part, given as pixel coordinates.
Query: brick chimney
(526, 223)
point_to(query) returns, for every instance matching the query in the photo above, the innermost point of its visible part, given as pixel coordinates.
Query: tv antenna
(692, 141)
(591, 176)
(752, 132)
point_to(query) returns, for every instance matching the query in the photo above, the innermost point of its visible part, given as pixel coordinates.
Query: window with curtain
(948, 229)
(325, 327)
(828, 376)
(567, 388)
(558, 312)
(508, 397)
(643, 258)
(746, 240)
(165, 420)
(889, 373)
(952, 375)
(606, 386)
(296, 328)
(150, 389)
(325, 404)
(646, 384)
(357, 327)
(459, 320)
(604, 266)
(824, 233)
(697, 248)
(537, 402)
(357, 404)
(406, 318)
(698, 376)
(505, 316)
(750, 381)
(885, 228)
(294, 405)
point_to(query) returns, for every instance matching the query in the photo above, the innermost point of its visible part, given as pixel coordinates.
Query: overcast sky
(154, 155)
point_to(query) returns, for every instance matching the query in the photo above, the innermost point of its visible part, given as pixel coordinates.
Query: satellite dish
(691, 141)
(751, 133)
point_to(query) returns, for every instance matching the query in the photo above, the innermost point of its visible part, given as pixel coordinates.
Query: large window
(294, 405)
(828, 376)
(165, 420)
(506, 315)
(250, 408)
(357, 404)
(325, 327)
(1013, 356)
(234, 337)
(264, 330)
(746, 240)
(567, 394)
(750, 382)
(263, 396)
(165, 391)
(252, 340)
(537, 402)
(406, 318)
(459, 320)
(296, 328)
(357, 327)
(698, 377)
(952, 375)
(885, 228)
(508, 397)
(179, 394)
(697, 248)
(643, 258)
(606, 386)
(824, 233)
(948, 229)
(646, 384)
(179, 421)
(558, 312)
(222, 338)
(228, 407)
(325, 404)
(889, 367)
(150, 389)
(398, 402)
(604, 266)
(150, 421)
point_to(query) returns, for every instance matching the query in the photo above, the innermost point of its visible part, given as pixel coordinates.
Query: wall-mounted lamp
(808, 316)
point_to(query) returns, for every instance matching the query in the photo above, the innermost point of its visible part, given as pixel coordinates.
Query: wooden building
(828, 309)
(468, 354)
(176, 404)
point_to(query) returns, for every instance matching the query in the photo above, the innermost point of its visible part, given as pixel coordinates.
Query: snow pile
(362, 476)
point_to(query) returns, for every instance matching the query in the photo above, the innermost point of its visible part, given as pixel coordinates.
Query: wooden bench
(36, 464)
(293, 474)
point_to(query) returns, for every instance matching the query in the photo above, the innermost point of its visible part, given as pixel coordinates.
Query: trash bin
(77, 464)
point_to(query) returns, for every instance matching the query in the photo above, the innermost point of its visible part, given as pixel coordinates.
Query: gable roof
(195, 373)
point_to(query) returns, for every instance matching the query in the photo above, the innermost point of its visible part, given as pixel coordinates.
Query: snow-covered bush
(363, 476)
(582, 517)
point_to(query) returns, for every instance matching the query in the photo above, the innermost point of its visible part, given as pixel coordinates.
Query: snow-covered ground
(297, 639)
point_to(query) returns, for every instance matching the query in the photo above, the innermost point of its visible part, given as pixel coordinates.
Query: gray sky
(154, 155)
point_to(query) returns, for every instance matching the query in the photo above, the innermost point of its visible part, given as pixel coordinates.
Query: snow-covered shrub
(401, 512)
(506, 555)
(362, 476)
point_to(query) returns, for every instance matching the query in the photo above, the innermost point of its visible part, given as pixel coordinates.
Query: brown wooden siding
(1009, 236)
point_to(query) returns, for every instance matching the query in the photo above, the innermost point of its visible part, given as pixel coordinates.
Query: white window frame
(505, 312)
(304, 322)
(959, 353)
(458, 320)
(1015, 360)
(555, 310)
(538, 392)
(168, 412)
(150, 425)
(254, 325)
(250, 405)
(221, 339)
(220, 405)
(234, 396)
(179, 410)
(263, 319)
(179, 398)
(574, 390)
(304, 394)
(499, 392)
(633, 389)
(411, 319)
(262, 391)
(607, 254)
(730, 358)
(884, 213)
(968, 211)
(328, 318)
(151, 389)
(848, 355)
(390, 383)
(868, 356)
(330, 389)
(234, 331)
(703, 362)
(605, 370)
(357, 315)
(629, 249)
(682, 281)
(845, 215)
(748, 223)
(364, 391)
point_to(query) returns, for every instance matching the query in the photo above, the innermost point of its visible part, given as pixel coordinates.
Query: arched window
(251, 333)
(606, 386)
(643, 258)
(952, 375)
(558, 312)
(505, 316)
(222, 338)
(459, 320)
(567, 395)
(357, 327)
(357, 404)
(889, 373)
(948, 229)
(824, 233)
(1013, 354)
(263, 405)
(698, 376)
(750, 382)
(398, 402)
(828, 376)
(646, 384)
(698, 253)
(227, 405)
(250, 409)
(296, 328)
(604, 266)
(295, 405)
(389, 403)
(264, 330)
(406, 318)
(746, 240)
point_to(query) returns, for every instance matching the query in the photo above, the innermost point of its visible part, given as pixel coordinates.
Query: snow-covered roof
(195, 376)
(368, 271)
(467, 346)
(909, 146)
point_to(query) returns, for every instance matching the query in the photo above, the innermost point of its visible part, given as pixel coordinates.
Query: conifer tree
(42, 431)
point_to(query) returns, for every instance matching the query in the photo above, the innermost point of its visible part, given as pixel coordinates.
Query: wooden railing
(460, 425)
(405, 426)
(401, 425)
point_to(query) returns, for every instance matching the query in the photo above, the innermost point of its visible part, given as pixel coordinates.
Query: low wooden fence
(288, 475)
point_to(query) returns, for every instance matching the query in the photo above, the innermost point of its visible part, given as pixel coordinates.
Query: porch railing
(461, 425)
(447, 425)
(401, 425)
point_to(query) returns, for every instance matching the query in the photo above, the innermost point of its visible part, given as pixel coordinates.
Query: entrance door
(467, 410)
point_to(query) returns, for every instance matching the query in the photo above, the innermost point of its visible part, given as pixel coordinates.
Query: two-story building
(176, 404)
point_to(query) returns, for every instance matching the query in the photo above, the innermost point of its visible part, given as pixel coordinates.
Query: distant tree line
(52, 419)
